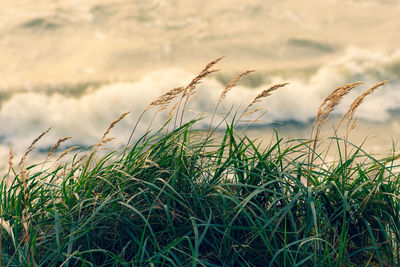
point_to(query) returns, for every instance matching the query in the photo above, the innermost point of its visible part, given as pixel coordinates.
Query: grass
(187, 197)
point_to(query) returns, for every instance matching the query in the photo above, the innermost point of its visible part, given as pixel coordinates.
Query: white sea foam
(24, 115)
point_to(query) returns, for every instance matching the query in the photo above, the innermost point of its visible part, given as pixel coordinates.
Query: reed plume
(123, 115)
(189, 90)
(203, 74)
(166, 98)
(101, 141)
(10, 161)
(65, 152)
(79, 160)
(263, 94)
(328, 105)
(23, 177)
(232, 84)
(56, 145)
(324, 110)
(162, 102)
(227, 88)
(356, 103)
(32, 145)
(172, 110)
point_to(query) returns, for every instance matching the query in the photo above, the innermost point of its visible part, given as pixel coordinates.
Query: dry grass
(227, 88)
(232, 84)
(359, 100)
(56, 145)
(324, 110)
(24, 200)
(172, 111)
(112, 126)
(207, 71)
(187, 92)
(10, 161)
(329, 104)
(79, 161)
(65, 152)
(30, 148)
(103, 138)
(190, 88)
(260, 96)
(162, 102)
(165, 99)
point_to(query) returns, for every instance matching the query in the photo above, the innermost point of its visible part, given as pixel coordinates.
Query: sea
(77, 65)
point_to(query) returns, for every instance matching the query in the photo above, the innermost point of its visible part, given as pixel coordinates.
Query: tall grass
(186, 197)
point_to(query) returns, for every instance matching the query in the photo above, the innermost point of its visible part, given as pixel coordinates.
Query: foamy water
(77, 65)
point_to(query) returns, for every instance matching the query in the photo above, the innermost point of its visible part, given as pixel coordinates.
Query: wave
(85, 116)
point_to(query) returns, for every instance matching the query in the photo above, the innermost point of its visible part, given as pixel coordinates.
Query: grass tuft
(210, 197)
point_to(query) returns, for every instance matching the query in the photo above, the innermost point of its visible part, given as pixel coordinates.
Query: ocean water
(77, 65)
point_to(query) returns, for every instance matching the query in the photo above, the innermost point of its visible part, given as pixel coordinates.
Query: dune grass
(186, 197)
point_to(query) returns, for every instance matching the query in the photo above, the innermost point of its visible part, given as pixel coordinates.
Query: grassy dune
(185, 197)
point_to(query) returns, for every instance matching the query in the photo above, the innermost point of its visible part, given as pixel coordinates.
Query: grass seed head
(263, 94)
(232, 84)
(32, 145)
(10, 160)
(56, 145)
(66, 152)
(359, 100)
(331, 101)
(203, 74)
(112, 125)
(166, 98)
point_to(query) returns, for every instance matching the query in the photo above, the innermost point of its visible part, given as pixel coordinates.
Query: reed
(65, 152)
(357, 102)
(263, 94)
(328, 105)
(324, 110)
(31, 147)
(10, 161)
(189, 90)
(227, 88)
(56, 145)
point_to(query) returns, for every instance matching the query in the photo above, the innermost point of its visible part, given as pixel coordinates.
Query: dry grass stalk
(329, 104)
(26, 215)
(261, 95)
(171, 112)
(203, 74)
(166, 98)
(232, 84)
(333, 99)
(108, 140)
(252, 111)
(113, 124)
(227, 88)
(2, 222)
(162, 101)
(324, 110)
(10, 161)
(359, 100)
(190, 88)
(66, 152)
(56, 145)
(79, 160)
(30, 148)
